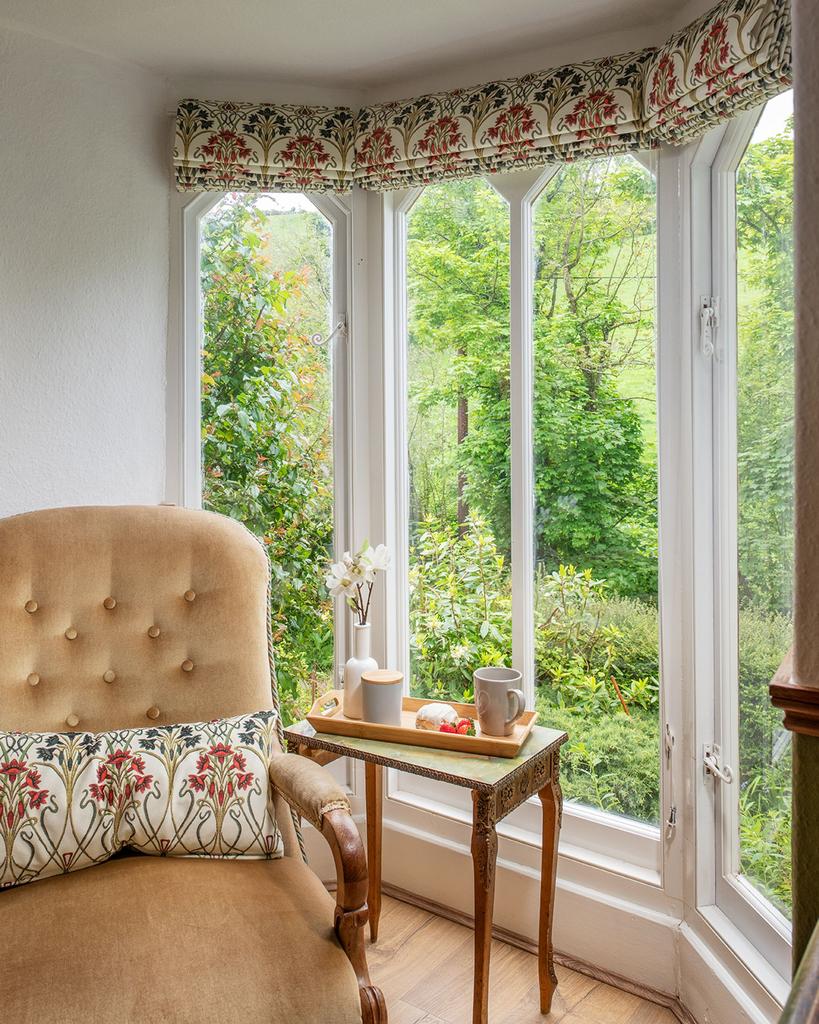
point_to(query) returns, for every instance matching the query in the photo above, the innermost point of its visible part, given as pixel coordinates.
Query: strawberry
(466, 727)
(446, 727)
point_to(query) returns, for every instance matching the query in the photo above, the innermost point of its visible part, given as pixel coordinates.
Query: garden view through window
(764, 465)
(266, 410)
(595, 463)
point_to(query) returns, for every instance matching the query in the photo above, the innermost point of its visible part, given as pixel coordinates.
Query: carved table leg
(484, 856)
(374, 788)
(552, 800)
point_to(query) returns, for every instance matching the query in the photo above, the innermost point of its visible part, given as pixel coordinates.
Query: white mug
(499, 699)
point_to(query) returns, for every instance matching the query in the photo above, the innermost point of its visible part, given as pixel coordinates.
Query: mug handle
(520, 705)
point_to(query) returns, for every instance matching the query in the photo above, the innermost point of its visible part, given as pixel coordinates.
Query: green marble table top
(470, 770)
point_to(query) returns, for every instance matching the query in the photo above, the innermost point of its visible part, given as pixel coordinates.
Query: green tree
(594, 473)
(765, 381)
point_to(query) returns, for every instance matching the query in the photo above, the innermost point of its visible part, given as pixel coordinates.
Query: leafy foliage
(460, 609)
(266, 444)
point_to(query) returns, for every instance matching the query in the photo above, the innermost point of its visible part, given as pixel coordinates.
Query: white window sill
(629, 849)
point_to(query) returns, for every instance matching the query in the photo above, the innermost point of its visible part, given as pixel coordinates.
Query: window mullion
(520, 405)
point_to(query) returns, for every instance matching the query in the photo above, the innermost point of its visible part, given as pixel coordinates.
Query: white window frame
(622, 846)
(187, 459)
(731, 895)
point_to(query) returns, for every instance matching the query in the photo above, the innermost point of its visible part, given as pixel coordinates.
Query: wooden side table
(498, 785)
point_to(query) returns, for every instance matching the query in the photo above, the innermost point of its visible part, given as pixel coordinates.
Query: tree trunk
(463, 430)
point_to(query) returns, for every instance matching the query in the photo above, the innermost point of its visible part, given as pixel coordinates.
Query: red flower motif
(664, 83)
(20, 792)
(304, 158)
(120, 776)
(715, 52)
(12, 768)
(377, 154)
(441, 142)
(219, 773)
(513, 126)
(597, 110)
(226, 155)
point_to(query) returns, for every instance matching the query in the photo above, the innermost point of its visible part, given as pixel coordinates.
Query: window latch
(340, 328)
(671, 822)
(712, 765)
(709, 320)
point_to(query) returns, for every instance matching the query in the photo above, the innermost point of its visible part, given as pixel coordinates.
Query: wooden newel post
(796, 687)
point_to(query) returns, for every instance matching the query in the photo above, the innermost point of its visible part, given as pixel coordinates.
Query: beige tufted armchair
(112, 618)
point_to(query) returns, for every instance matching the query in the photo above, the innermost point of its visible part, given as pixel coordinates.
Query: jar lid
(382, 676)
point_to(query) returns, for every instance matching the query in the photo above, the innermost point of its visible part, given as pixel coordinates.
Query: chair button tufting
(72, 721)
(152, 712)
(33, 679)
(31, 607)
(109, 603)
(190, 595)
(153, 632)
(187, 665)
(109, 676)
(71, 633)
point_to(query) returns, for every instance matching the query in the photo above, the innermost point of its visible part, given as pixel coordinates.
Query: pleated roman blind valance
(574, 111)
(729, 59)
(222, 147)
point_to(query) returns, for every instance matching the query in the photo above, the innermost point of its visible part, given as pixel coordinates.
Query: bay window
(571, 412)
(753, 371)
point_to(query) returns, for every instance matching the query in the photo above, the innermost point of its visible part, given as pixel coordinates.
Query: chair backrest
(116, 617)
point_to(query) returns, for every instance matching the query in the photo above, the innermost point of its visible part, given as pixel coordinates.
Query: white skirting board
(651, 948)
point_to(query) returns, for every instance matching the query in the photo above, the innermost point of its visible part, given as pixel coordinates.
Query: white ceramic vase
(359, 663)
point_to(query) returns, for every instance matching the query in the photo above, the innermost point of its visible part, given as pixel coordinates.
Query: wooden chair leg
(552, 800)
(375, 795)
(484, 857)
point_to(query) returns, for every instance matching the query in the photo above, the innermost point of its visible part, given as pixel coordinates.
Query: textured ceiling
(351, 44)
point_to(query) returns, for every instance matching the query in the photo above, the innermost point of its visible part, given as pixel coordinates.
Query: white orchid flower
(338, 580)
(375, 560)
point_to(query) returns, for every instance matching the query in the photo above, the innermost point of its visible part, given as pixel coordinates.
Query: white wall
(84, 184)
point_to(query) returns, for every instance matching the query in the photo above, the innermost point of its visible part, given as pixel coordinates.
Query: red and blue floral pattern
(731, 58)
(262, 147)
(69, 800)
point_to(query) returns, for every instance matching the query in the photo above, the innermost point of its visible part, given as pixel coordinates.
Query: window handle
(712, 765)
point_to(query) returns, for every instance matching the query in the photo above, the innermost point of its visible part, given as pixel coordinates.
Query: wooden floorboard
(423, 964)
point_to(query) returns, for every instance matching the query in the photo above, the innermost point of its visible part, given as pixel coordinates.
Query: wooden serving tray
(495, 746)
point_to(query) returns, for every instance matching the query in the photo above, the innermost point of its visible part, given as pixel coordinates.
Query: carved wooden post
(799, 694)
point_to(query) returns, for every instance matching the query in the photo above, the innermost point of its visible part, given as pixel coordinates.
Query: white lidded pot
(382, 692)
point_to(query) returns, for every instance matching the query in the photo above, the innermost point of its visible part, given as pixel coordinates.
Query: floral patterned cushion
(69, 800)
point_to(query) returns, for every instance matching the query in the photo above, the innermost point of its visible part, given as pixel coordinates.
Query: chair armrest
(307, 787)
(313, 792)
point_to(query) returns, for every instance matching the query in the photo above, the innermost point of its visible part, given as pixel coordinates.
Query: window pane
(458, 435)
(765, 382)
(595, 465)
(267, 438)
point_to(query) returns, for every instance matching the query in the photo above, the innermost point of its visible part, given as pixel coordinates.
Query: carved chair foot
(373, 1007)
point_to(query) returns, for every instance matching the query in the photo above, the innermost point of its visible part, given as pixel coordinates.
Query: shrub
(611, 762)
(460, 609)
(594, 654)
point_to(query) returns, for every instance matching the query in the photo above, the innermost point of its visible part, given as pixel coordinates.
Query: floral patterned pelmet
(731, 58)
